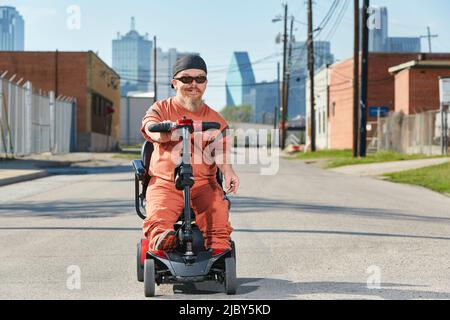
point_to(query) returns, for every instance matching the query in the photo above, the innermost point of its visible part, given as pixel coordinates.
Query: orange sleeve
(154, 115)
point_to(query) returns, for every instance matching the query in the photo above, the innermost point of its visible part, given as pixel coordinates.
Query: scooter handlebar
(210, 125)
(169, 126)
(161, 127)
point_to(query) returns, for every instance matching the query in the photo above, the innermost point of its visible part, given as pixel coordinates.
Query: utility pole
(283, 92)
(56, 73)
(289, 65)
(356, 78)
(278, 106)
(429, 36)
(311, 75)
(364, 78)
(155, 84)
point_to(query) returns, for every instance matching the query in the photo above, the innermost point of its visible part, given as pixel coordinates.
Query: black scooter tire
(230, 276)
(149, 278)
(139, 266)
(233, 250)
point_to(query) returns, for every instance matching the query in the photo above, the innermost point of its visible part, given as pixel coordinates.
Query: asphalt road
(304, 233)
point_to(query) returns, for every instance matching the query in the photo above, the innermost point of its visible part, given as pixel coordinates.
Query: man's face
(193, 91)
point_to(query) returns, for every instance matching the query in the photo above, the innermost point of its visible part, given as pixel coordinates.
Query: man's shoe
(167, 241)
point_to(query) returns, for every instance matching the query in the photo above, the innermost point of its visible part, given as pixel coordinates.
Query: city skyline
(12, 28)
(226, 28)
(131, 60)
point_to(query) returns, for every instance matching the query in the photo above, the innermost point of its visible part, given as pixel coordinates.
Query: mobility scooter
(190, 261)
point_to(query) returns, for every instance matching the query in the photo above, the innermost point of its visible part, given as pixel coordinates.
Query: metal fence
(423, 133)
(34, 123)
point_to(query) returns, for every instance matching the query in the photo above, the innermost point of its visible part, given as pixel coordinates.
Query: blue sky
(214, 28)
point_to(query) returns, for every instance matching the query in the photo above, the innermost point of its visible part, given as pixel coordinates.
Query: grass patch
(340, 158)
(128, 155)
(436, 178)
(324, 154)
(131, 146)
(382, 156)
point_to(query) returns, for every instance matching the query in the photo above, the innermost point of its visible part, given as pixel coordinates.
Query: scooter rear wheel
(139, 266)
(230, 276)
(233, 250)
(149, 278)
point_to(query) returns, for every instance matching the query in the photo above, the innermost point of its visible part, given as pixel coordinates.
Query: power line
(327, 17)
(338, 21)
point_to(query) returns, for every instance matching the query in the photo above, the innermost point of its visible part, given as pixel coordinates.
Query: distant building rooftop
(421, 64)
(138, 94)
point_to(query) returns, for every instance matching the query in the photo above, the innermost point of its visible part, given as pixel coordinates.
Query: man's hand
(159, 137)
(231, 180)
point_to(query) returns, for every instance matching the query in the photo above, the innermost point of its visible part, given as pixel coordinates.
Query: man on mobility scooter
(185, 178)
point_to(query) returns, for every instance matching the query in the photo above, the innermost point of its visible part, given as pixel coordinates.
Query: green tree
(242, 113)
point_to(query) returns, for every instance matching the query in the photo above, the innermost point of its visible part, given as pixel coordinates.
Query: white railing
(422, 133)
(33, 123)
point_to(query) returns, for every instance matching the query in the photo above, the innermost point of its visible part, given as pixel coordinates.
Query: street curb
(23, 178)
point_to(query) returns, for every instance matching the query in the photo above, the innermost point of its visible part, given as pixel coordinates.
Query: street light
(277, 19)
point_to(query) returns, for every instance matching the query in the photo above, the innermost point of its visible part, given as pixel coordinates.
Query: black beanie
(189, 62)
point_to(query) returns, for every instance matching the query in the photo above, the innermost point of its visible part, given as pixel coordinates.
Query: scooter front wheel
(230, 276)
(149, 278)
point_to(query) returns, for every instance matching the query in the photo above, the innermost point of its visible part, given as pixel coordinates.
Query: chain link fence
(424, 133)
(34, 123)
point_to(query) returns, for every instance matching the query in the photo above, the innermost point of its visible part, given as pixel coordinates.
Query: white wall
(321, 81)
(130, 127)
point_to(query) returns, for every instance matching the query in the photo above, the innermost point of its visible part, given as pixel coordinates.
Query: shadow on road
(31, 164)
(71, 229)
(320, 232)
(268, 288)
(343, 233)
(77, 170)
(256, 204)
(68, 209)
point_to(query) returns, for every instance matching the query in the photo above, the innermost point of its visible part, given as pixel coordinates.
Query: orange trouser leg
(212, 217)
(164, 206)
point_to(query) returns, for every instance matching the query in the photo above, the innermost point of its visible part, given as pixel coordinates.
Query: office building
(132, 60)
(12, 30)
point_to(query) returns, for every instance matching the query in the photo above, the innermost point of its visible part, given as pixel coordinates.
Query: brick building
(82, 75)
(381, 92)
(417, 85)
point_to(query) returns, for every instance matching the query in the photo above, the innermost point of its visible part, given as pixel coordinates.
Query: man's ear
(174, 82)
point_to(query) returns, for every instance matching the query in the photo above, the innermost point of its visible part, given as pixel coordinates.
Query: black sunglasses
(189, 79)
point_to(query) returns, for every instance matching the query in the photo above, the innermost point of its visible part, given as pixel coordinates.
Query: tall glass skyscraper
(299, 73)
(379, 40)
(12, 30)
(264, 99)
(240, 79)
(132, 60)
(378, 30)
(164, 66)
(404, 44)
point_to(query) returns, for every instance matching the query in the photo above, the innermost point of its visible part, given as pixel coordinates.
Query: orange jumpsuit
(164, 202)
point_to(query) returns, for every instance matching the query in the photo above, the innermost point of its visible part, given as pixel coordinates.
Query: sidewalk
(378, 169)
(42, 165)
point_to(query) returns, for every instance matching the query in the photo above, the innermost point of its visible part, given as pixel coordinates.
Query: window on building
(101, 116)
(324, 129)
(319, 125)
